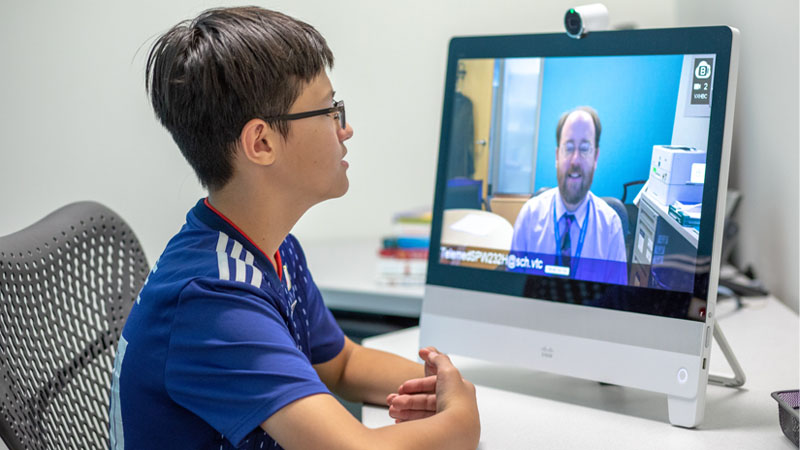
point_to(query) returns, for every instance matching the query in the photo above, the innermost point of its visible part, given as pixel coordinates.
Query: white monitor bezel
(612, 346)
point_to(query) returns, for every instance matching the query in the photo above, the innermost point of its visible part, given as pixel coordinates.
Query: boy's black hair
(595, 118)
(209, 76)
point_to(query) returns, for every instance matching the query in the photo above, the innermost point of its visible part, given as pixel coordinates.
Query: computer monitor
(627, 296)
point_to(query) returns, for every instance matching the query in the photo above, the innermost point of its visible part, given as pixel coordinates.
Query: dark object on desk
(745, 288)
(788, 404)
(738, 285)
(67, 284)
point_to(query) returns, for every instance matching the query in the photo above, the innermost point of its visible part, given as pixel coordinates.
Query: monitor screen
(578, 176)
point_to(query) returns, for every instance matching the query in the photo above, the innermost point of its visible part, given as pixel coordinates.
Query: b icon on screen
(703, 70)
(701, 81)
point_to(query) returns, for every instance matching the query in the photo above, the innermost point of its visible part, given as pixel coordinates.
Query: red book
(405, 253)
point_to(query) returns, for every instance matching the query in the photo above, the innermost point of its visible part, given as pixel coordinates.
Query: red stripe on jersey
(278, 263)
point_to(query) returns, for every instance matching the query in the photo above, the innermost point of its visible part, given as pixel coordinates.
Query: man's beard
(571, 193)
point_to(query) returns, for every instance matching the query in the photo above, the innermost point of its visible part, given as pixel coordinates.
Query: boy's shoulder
(211, 253)
(201, 252)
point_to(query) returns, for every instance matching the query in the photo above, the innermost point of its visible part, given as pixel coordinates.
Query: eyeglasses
(585, 149)
(338, 107)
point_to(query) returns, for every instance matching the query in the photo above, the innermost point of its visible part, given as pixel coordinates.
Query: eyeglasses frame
(337, 107)
(590, 152)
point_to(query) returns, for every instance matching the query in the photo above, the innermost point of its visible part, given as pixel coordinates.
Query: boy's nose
(346, 133)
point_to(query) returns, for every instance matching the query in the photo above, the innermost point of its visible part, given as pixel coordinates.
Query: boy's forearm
(320, 421)
(454, 428)
(370, 375)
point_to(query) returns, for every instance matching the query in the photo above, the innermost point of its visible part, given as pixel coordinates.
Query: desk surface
(525, 409)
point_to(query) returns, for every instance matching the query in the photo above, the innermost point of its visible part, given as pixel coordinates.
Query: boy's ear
(259, 142)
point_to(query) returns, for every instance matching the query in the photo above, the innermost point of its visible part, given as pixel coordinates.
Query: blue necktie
(566, 242)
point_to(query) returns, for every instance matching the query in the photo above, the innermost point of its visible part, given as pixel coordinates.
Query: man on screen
(577, 227)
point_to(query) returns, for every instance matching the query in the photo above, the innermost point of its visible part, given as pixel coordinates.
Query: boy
(229, 343)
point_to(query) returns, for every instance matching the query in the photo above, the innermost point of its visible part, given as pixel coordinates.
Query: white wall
(764, 157)
(75, 123)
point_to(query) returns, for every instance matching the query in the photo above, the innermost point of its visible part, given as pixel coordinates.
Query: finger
(430, 369)
(402, 416)
(389, 398)
(399, 413)
(418, 385)
(437, 360)
(416, 401)
(446, 372)
(427, 350)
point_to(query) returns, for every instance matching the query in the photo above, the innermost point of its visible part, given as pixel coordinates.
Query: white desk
(345, 273)
(524, 409)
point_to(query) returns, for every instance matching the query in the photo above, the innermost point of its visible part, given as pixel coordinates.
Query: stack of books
(404, 254)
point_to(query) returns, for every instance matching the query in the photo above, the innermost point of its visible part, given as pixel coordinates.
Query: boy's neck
(265, 219)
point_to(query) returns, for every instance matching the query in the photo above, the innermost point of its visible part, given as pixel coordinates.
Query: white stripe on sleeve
(237, 250)
(256, 281)
(222, 242)
(241, 271)
(222, 264)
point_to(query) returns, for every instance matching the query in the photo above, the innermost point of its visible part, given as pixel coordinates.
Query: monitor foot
(686, 412)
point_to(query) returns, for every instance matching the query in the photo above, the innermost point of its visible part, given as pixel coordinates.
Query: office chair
(627, 185)
(621, 210)
(541, 190)
(463, 193)
(67, 284)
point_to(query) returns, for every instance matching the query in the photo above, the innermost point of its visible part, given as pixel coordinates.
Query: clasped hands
(417, 398)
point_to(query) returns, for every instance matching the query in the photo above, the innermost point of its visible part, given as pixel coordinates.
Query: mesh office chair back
(67, 284)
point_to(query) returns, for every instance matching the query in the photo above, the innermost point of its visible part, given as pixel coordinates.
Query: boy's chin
(339, 191)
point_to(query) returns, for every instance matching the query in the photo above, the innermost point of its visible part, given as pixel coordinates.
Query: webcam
(582, 19)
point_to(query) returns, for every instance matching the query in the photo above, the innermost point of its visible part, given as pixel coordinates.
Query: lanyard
(577, 257)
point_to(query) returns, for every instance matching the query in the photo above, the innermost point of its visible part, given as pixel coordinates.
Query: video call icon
(701, 83)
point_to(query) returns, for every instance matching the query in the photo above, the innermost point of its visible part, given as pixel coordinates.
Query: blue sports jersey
(217, 342)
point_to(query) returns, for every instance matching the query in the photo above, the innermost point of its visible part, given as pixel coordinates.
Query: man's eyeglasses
(585, 149)
(338, 107)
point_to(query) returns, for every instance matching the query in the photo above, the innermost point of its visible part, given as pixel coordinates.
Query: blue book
(406, 242)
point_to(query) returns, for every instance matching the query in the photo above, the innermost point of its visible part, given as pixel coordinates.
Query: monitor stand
(688, 413)
(738, 378)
